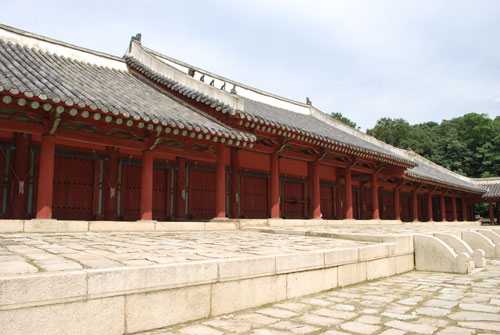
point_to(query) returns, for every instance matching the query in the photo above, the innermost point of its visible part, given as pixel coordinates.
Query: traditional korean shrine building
(89, 136)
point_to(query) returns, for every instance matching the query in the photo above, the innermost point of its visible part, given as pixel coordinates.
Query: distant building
(90, 136)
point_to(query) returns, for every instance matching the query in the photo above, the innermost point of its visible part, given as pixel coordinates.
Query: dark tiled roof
(55, 78)
(428, 172)
(492, 190)
(277, 117)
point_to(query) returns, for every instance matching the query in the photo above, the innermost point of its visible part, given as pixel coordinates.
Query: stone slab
(42, 225)
(42, 288)
(100, 316)
(152, 310)
(233, 296)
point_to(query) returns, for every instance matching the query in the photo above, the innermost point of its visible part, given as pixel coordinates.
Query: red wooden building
(87, 136)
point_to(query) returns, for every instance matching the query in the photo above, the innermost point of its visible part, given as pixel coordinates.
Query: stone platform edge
(133, 299)
(56, 226)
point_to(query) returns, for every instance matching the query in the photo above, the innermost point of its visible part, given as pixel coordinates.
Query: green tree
(345, 120)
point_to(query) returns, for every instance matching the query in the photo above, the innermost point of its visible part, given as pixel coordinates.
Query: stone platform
(126, 282)
(412, 303)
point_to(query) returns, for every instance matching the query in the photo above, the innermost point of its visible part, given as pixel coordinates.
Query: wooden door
(74, 179)
(5, 154)
(254, 201)
(294, 202)
(405, 203)
(327, 200)
(201, 192)
(131, 191)
(161, 193)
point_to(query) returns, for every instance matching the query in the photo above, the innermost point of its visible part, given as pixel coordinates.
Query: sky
(425, 60)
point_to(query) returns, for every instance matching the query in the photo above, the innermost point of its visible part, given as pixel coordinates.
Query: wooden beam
(22, 127)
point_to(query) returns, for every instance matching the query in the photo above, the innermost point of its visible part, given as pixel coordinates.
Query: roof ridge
(225, 79)
(39, 42)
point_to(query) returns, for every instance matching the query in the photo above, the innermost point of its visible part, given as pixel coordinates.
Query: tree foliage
(345, 120)
(469, 144)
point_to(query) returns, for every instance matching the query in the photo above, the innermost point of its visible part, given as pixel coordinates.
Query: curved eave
(413, 177)
(93, 112)
(294, 132)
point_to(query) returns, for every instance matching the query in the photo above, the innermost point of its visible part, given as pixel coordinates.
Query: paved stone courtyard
(32, 252)
(382, 229)
(412, 303)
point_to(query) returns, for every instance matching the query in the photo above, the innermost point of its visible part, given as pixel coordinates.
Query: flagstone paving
(44, 252)
(412, 303)
(379, 229)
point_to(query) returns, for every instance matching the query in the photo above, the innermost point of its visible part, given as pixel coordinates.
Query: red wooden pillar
(414, 206)
(397, 207)
(338, 195)
(429, 206)
(316, 203)
(464, 210)
(147, 185)
(275, 187)
(21, 167)
(111, 211)
(443, 208)
(46, 178)
(348, 194)
(376, 210)
(492, 215)
(234, 189)
(454, 208)
(180, 191)
(220, 183)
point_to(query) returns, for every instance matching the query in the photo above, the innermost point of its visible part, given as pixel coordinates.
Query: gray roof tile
(59, 79)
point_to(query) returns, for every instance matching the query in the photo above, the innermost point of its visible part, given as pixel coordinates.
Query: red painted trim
(315, 189)
(464, 210)
(414, 206)
(397, 206)
(374, 186)
(443, 207)
(147, 186)
(349, 214)
(429, 206)
(492, 215)
(275, 187)
(454, 208)
(234, 190)
(22, 127)
(46, 178)
(220, 183)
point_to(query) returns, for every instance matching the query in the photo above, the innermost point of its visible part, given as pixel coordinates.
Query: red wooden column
(147, 185)
(21, 167)
(464, 210)
(234, 190)
(275, 187)
(316, 203)
(220, 183)
(180, 190)
(397, 207)
(454, 208)
(376, 210)
(338, 195)
(492, 215)
(348, 194)
(111, 211)
(429, 206)
(443, 207)
(46, 178)
(414, 206)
